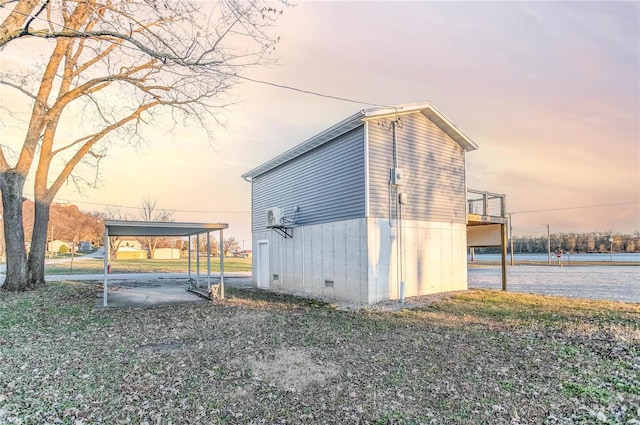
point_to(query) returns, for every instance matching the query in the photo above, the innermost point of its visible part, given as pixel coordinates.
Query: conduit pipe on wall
(398, 205)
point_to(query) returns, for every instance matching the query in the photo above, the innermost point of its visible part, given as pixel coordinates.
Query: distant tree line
(66, 223)
(591, 242)
(230, 246)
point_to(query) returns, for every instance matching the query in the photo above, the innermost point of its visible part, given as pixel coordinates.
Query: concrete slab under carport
(148, 296)
(148, 289)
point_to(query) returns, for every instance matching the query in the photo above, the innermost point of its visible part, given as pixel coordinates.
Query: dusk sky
(550, 91)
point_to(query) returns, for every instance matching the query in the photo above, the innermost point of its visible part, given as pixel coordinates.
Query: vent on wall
(328, 283)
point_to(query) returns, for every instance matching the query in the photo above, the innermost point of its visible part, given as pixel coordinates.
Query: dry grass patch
(293, 369)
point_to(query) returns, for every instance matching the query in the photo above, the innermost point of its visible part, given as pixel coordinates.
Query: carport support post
(106, 265)
(209, 261)
(503, 251)
(221, 264)
(189, 258)
(198, 260)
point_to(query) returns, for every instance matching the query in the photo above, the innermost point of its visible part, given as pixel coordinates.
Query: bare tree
(201, 246)
(150, 213)
(230, 245)
(113, 213)
(113, 66)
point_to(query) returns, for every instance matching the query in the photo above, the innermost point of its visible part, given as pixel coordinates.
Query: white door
(263, 264)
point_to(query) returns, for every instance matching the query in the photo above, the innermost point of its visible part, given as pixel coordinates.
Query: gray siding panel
(327, 184)
(434, 172)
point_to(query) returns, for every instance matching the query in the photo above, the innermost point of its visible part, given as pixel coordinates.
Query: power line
(575, 208)
(313, 93)
(248, 212)
(73, 201)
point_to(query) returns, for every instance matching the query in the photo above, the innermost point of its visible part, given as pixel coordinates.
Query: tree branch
(77, 157)
(35, 15)
(164, 57)
(22, 90)
(16, 19)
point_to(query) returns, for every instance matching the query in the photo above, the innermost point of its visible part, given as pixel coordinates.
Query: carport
(114, 228)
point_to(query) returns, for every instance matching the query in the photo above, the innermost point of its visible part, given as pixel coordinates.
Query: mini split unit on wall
(274, 217)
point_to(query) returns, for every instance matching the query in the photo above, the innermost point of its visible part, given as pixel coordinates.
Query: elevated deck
(487, 224)
(486, 208)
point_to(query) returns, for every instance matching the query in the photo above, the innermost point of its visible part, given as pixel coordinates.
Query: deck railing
(486, 203)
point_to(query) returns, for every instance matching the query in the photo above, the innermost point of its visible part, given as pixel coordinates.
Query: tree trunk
(11, 185)
(38, 243)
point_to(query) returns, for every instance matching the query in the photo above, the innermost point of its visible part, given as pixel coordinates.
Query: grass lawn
(478, 357)
(89, 266)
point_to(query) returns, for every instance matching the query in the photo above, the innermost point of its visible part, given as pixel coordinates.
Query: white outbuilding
(373, 208)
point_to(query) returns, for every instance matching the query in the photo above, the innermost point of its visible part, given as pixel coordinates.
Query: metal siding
(340, 259)
(366, 169)
(327, 260)
(327, 251)
(288, 273)
(434, 236)
(364, 260)
(434, 172)
(275, 261)
(327, 183)
(447, 259)
(355, 259)
(317, 272)
(433, 257)
(307, 261)
(298, 261)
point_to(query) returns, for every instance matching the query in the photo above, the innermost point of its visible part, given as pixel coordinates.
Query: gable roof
(354, 121)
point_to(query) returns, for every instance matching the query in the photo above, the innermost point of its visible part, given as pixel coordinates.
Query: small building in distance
(129, 253)
(129, 248)
(166, 254)
(85, 246)
(128, 242)
(373, 208)
(55, 245)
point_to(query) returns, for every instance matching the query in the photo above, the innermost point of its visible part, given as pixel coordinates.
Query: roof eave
(406, 108)
(449, 128)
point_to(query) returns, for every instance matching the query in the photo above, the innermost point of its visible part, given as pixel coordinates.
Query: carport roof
(155, 228)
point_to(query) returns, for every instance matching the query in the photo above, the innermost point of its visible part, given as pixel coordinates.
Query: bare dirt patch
(293, 369)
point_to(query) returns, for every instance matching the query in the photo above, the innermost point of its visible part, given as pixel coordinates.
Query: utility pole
(610, 249)
(548, 245)
(511, 238)
(51, 243)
